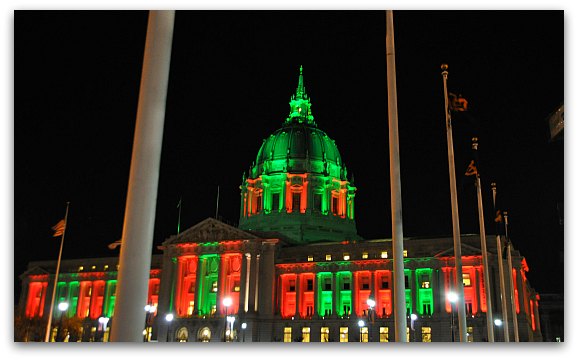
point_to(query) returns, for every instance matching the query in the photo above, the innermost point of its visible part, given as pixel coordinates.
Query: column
(199, 284)
(244, 284)
(435, 283)
(334, 289)
(297, 295)
(257, 276)
(266, 303)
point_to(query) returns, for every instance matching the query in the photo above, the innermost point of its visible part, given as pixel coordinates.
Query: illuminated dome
(298, 186)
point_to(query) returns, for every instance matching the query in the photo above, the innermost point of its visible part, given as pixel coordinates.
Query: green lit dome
(297, 148)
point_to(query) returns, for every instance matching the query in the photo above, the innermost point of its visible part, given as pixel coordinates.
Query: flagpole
(455, 216)
(395, 181)
(511, 278)
(49, 324)
(489, 314)
(217, 207)
(179, 221)
(139, 218)
(501, 273)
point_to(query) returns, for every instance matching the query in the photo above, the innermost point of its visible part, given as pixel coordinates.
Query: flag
(458, 103)
(472, 169)
(115, 244)
(59, 228)
(500, 224)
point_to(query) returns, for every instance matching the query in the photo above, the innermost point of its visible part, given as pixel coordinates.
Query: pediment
(36, 270)
(210, 230)
(467, 250)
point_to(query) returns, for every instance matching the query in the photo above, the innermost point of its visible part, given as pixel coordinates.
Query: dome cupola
(298, 185)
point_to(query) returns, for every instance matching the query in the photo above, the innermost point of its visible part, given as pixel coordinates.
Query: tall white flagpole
(395, 180)
(137, 237)
(49, 324)
(487, 285)
(502, 278)
(458, 280)
(511, 279)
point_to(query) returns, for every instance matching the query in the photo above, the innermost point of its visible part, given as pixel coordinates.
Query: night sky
(76, 83)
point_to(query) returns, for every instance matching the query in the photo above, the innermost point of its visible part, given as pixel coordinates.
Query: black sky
(76, 82)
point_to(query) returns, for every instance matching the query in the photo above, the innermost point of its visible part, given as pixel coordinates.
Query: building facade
(294, 270)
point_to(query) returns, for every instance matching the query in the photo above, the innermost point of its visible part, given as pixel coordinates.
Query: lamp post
(361, 324)
(150, 310)
(370, 305)
(226, 303)
(243, 327)
(63, 306)
(452, 298)
(413, 318)
(169, 318)
(103, 321)
(498, 323)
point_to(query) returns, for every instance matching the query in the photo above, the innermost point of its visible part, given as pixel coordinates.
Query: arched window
(182, 334)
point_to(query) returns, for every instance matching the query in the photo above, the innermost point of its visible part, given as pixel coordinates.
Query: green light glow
(325, 297)
(73, 287)
(109, 298)
(344, 283)
(207, 298)
(425, 298)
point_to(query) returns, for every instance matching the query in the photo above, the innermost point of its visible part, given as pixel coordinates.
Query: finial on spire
(300, 88)
(300, 104)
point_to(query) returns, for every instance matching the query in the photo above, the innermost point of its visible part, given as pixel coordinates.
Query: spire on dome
(300, 104)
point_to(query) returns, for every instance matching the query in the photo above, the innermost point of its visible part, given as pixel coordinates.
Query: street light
(361, 324)
(243, 327)
(413, 317)
(150, 310)
(370, 304)
(231, 321)
(452, 298)
(498, 322)
(226, 303)
(63, 306)
(169, 318)
(103, 321)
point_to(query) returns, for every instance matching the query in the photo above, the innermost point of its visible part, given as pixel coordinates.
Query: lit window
(105, 267)
(425, 285)
(343, 334)
(407, 334)
(325, 334)
(346, 256)
(80, 268)
(364, 334)
(405, 253)
(384, 254)
(310, 258)
(287, 334)
(93, 267)
(306, 334)
(236, 286)
(365, 255)
(190, 308)
(383, 334)
(328, 257)
(425, 334)
(467, 280)
(470, 334)
(214, 287)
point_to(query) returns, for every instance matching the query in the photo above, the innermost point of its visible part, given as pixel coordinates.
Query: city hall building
(294, 270)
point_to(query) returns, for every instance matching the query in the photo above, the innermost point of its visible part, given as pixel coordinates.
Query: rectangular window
(291, 285)
(259, 205)
(406, 281)
(214, 287)
(317, 202)
(405, 253)
(287, 334)
(363, 334)
(325, 334)
(275, 202)
(407, 334)
(309, 257)
(467, 280)
(328, 257)
(344, 334)
(346, 284)
(365, 255)
(385, 284)
(296, 202)
(383, 334)
(346, 256)
(334, 205)
(425, 334)
(384, 254)
(309, 284)
(327, 284)
(470, 334)
(306, 334)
